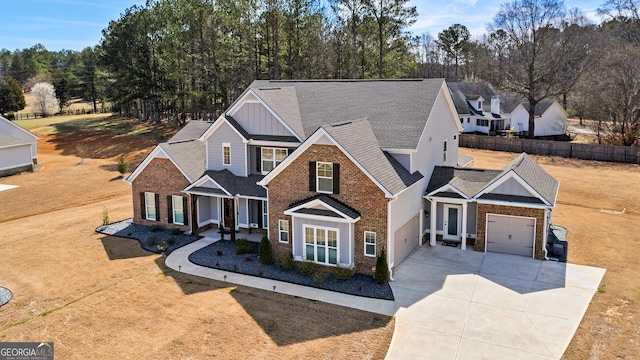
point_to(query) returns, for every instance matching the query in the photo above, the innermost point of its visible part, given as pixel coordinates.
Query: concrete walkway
(454, 304)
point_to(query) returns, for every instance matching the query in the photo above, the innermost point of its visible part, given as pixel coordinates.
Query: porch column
(421, 226)
(463, 245)
(194, 213)
(432, 217)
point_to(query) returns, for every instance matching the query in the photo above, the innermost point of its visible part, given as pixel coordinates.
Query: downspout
(545, 234)
(389, 237)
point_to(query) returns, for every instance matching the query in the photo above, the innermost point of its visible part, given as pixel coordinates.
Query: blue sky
(76, 24)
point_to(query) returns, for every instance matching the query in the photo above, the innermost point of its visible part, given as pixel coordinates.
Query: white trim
(263, 204)
(274, 160)
(243, 99)
(445, 218)
(25, 131)
(399, 151)
(304, 146)
(203, 180)
(502, 179)
(318, 177)
(513, 203)
(173, 209)
(375, 239)
(268, 143)
(157, 152)
(447, 187)
(146, 206)
(221, 119)
(280, 231)
(316, 202)
(535, 228)
(17, 145)
(326, 229)
(225, 146)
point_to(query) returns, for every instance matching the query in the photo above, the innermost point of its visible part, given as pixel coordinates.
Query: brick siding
(356, 191)
(163, 178)
(484, 209)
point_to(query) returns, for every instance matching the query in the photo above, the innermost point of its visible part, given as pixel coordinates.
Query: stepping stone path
(5, 295)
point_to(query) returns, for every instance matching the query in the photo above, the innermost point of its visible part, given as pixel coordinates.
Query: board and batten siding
(511, 187)
(226, 134)
(440, 126)
(343, 237)
(257, 119)
(15, 156)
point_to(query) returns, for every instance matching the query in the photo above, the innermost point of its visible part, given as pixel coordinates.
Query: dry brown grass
(103, 297)
(599, 203)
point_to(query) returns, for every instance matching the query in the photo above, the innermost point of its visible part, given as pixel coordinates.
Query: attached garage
(511, 234)
(406, 239)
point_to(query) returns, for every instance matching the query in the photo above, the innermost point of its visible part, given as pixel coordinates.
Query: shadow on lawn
(285, 319)
(118, 248)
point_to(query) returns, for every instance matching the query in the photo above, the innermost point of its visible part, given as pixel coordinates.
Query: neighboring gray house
(333, 171)
(18, 148)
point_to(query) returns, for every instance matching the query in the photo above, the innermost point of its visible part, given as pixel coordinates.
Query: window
(265, 215)
(482, 122)
(321, 245)
(369, 243)
(325, 177)
(479, 105)
(226, 154)
(177, 204)
(444, 152)
(461, 120)
(271, 157)
(150, 206)
(283, 231)
(468, 120)
(455, 137)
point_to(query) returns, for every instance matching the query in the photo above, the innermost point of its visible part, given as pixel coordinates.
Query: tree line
(170, 58)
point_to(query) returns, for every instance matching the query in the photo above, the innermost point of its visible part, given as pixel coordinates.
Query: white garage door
(510, 234)
(406, 239)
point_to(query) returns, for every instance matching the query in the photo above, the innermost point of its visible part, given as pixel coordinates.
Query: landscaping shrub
(176, 232)
(122, 165)
(319, 277)
(156, 228)
(382, 269)
(343, 273)
(243, 246)
(287, 262)
(151, 240)
(306, 268)
(105, 216)
(265, 252)
(171, 241)
(248, 257)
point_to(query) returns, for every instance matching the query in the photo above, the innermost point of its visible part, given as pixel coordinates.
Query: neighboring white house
(550, 118)
(18, 148)
(480, 109)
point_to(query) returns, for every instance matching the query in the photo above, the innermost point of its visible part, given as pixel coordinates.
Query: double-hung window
(321, 245)
(150, 206)
(265, 214)
(271, 157)
(226, 154)
(283, 231)
(369, 243)
(444, 152)
(324, 171)
(177, 206)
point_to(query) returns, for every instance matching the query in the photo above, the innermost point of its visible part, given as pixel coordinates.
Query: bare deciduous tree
(44, 94)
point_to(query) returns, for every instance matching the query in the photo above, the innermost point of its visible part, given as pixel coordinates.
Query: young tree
(11, 96)
(44, 94)
(542, 38)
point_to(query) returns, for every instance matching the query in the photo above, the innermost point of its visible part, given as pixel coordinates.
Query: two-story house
(333, 171)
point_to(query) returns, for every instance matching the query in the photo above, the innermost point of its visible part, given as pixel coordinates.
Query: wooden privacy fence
(612, 153)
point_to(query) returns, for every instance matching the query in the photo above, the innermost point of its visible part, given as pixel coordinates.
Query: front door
(452, 222)
(228, 213)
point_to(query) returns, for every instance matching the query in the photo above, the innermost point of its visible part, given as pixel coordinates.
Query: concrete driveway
(454, 304)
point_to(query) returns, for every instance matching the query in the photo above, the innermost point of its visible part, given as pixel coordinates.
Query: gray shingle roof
(461, 92)
(191, 131)
(8, 140)
(358, 139)
(510, 101)
(343, 208)
(238, 185)
(467, 181)
(534, 175)
(189, 156)
(396, 109)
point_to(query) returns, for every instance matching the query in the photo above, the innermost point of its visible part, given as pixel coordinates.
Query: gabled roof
(188, 156)
(541, 107)
(238, 185)
(397, 110)
(8, 141)
(28, 134)
(462, 92)
(510, 102)
(477, 183)
(191, 131)
(338, 209)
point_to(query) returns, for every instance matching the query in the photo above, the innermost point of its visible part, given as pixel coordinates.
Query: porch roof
(329, 201)
(233, 184)
(466, 180)
(511, 198)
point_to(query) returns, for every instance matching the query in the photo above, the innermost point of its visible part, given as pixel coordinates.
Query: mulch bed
(222, 255)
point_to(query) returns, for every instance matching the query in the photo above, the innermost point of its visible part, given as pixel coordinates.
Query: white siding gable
(225, 134)
(511, 187)
(256, 118)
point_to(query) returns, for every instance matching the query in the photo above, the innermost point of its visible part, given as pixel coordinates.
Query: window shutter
(259, 159)
(143, 209)
(157, 198)
(336, 178)
(312, 176)
(170, 208)
(184, 210)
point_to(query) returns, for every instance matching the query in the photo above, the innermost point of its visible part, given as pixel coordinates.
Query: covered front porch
(451, 220)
